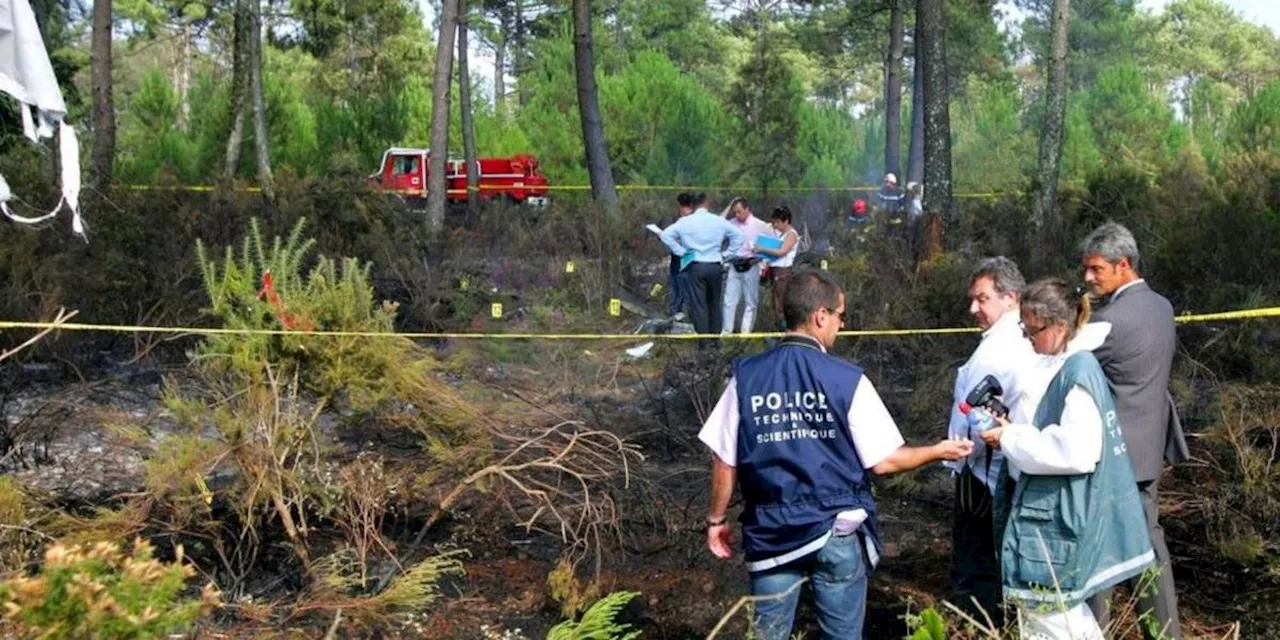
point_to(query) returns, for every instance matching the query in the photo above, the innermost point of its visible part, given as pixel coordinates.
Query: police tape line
(204, 188)
(1245, 314)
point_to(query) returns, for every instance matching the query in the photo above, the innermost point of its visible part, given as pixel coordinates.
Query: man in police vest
(798, 430)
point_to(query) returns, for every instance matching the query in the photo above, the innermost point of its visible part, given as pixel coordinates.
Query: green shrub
(929, 625)
(598, 622)
(104, 592)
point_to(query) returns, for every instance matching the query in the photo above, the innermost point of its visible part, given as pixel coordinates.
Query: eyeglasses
(1031, 332)
(841, 315)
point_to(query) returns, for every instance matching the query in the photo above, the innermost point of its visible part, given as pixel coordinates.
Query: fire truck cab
(404, 171)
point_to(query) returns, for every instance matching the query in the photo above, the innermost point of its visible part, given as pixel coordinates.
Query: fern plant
(598, 622)
(929, 625)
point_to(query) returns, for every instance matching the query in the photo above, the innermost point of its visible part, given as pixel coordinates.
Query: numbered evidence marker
(615, 307)
(569, 267)
(823, 265)
(495, 310)
(657, 288)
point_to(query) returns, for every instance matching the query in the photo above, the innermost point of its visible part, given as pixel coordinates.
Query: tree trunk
(464, 103)
(517, 55)
(260, 136)
(104, 110)
(1055, 115)
(893, 92)
(937, 127)
(240, 81)
(500, 68)
(438, 158)
(602, 187)
(915, 159)
(1189, 109)
(915, 155)
(762, 97)
(184, 77)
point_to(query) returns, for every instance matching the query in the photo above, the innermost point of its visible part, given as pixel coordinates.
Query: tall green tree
(262, 141)
(1055, 114)
(767, 97)
(104, 110)
(597, 150)
(937, 125)
(893, 91)
(464, 104)
(915, 154)
(436, 161)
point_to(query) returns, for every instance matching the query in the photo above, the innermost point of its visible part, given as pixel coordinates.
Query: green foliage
(833, 148)
(766, 97)
(1131, 124)
(150, 138)
(989, 140)
(929, 625)
(367, 372)
(104, 592)
(1255, 123)
(664, 128)
(599, 621)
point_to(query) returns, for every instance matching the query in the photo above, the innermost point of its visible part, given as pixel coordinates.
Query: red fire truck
(404, 171)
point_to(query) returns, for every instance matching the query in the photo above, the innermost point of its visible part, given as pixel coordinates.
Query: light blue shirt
(703, 233)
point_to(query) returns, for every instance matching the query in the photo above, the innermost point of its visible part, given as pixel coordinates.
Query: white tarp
(27, 75)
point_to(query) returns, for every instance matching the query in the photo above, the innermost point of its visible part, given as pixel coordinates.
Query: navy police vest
(797, 464)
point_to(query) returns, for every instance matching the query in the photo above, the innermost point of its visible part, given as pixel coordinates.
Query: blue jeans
(838, 575)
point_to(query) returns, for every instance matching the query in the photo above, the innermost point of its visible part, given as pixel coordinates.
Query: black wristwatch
(715, 522)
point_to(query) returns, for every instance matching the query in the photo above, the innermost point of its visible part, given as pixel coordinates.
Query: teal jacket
(1091, 525)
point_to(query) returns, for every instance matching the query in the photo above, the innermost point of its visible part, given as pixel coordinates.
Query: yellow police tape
(1245, 314)
(204, 188)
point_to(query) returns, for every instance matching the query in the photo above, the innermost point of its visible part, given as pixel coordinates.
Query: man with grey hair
(1137, 356)
(995, 287)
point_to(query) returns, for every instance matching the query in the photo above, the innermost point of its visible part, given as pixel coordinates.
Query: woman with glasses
(1073, 524)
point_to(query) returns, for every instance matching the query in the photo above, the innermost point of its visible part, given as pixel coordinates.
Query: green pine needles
(599, 622)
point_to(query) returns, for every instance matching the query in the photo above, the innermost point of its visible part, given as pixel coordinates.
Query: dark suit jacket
(1137, 357)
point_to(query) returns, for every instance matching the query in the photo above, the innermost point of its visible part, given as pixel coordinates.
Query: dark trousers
(706, 298)
(975, 563)
(1156, 600)
(781, 277)
(677, 287)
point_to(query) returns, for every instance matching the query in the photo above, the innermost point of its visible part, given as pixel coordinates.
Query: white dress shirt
(1007, 355)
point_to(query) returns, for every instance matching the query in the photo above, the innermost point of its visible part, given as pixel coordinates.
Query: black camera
(984, 397)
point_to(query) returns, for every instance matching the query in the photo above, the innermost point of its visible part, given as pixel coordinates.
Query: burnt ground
(660, 549)
(685, 590)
